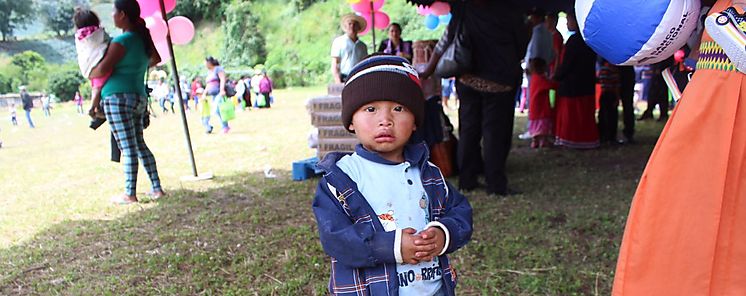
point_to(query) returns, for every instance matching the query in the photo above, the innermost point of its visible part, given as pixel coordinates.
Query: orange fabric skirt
(686, 230)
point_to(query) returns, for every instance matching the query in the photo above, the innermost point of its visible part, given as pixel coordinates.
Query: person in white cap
(348, 49)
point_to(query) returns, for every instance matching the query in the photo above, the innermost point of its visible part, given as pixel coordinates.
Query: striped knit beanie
(383, 78)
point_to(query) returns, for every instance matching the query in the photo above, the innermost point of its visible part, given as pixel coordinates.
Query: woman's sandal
(123, 199)
(155, 195)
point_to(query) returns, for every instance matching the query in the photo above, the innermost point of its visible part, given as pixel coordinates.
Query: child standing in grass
(13, 114)
(91, 42)
(540, 114)
(385, 214)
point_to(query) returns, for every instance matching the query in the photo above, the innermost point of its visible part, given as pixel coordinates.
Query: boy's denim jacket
(362, 253)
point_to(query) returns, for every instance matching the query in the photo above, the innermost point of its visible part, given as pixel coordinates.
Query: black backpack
(230, 89)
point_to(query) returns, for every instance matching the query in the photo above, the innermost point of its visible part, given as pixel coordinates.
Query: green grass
(243, 234)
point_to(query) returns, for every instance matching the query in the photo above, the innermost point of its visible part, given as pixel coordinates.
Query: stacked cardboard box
(326, 116)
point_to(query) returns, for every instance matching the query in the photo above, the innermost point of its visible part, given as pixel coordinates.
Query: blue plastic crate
(305, 169)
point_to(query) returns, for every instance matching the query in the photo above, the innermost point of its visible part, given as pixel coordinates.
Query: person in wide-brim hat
(347, 50)
(360, 21)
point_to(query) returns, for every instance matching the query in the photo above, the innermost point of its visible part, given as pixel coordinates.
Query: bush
(28, 61)
(6, 84)
(38, 79)
(196, 10)
(244, 43)
(65, 83)
(85, 89)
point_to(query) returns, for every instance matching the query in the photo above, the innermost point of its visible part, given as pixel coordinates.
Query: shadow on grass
(249, 236)
(257, 236)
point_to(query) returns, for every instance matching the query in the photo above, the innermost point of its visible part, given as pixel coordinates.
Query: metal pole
(372, 27)
(175, 73)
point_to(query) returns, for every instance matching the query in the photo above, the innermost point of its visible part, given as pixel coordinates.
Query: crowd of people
(585, 90)
(571, 94)
(573, 99)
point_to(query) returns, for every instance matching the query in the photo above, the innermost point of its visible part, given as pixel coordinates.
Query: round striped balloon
(636, 32)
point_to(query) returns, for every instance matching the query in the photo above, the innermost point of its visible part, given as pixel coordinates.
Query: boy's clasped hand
(423, 246)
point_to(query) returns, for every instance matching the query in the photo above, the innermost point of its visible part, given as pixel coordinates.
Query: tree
(6, 84)
(301, 5)
(14, 14)
(58, 14)
(244, 43)
(65, 83)
(197, 10)
(28, 61)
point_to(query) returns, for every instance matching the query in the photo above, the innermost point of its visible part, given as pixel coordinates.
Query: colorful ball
(431, 22)
(636, 32)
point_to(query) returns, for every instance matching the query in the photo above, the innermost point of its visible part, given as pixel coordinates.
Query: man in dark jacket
(496, 36)
(28, 104)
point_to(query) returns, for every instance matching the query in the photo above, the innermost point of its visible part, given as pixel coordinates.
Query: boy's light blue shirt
(396, 195)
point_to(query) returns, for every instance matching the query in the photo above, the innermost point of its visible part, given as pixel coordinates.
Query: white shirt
(396, 195)
(540, 45)
(349, 52)
(161, 91)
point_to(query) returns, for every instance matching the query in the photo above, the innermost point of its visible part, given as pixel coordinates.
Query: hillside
(297, 43)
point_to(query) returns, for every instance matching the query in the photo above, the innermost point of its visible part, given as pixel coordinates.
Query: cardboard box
(324, 104)
(335, 89)
(423, 49)
(334, 132)
(336, 145)
(319, 119)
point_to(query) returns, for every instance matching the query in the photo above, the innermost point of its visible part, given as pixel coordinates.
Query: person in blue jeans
(124, 98)
(214, 89)
(28, 104)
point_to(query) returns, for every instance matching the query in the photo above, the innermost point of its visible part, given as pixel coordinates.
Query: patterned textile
(84, 32)
(483, 85)
(125, 115)
(712, 57)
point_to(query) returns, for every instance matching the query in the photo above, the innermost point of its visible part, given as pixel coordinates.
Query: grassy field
(244, 234)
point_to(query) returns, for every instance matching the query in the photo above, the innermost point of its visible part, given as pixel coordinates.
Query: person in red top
(195, 93)
(540, 114)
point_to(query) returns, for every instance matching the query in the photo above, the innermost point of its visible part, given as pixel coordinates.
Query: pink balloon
(363, 7)
(182, 30)
(423, 10)
(679, 56)
(366, 16)
(440, 8)
(162, 48)
(158, 29)
(149, 7)
(382, 20)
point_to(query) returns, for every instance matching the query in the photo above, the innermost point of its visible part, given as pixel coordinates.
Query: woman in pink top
(265, 88)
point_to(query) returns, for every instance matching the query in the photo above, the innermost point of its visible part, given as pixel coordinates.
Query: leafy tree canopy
(14, 14)
(245, 43)
(28, 61)
(58, 14)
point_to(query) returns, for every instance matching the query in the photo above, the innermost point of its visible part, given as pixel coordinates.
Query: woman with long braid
(124, 97)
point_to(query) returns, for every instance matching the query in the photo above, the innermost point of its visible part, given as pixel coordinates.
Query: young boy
(13, 116)
(385, 214)
(608, 113)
